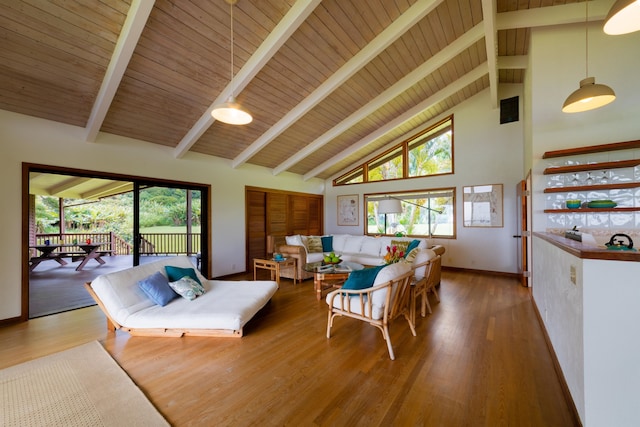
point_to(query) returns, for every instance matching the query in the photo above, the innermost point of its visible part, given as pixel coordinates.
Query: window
(424, 213)
(429, 152)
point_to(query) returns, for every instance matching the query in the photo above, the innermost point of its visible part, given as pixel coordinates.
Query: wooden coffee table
(274, 266)
(330, 276)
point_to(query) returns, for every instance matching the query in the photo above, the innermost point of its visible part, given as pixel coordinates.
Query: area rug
(82, 386)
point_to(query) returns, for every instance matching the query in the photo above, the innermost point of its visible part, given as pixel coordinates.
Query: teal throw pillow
(177, 273)
(362, 279)
(327, 243)
(156, 288)
(412, 245)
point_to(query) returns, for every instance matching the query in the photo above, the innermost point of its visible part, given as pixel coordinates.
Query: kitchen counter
(584, 251)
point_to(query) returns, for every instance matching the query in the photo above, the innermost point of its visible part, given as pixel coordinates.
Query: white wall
(485, 152)
(30, 140)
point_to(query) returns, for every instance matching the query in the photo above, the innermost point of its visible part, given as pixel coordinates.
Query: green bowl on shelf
(602, 204)
(573, 204)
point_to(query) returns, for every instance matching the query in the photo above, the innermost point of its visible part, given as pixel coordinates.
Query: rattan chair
(377, 305)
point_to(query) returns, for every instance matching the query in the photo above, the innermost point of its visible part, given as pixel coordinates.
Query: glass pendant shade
(588, 97)
(623, 18)
(231, 112)
(389, 206)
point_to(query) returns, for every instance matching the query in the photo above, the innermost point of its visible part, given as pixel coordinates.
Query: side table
(274, 266)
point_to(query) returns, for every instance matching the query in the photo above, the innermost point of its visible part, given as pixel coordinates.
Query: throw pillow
(314, 244)
(414, 244)
(401, 245)
(177, 273)
(156, 288)
(184, 288)
(411, 255)
(327, 243)
(362, 279)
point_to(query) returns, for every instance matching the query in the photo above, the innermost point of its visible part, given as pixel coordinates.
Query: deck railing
(117, 245)
(150, 243)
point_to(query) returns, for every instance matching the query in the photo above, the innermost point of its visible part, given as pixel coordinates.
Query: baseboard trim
(11, 321)
(487, 272)
(556, 366)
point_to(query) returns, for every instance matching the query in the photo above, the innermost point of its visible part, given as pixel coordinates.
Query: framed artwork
(482, 205)
(348, 210)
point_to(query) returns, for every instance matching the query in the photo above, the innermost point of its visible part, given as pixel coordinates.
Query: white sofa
(223, 310)
(366, 250)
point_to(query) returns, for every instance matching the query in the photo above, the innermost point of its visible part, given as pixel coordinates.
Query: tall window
(429, 213)
(429, 152)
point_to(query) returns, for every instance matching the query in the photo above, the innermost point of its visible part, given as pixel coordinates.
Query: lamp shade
(588, 97)
(388, 206)
(231, 112)
(623, 18)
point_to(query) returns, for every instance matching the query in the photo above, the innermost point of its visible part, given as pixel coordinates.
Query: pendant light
(590, 95)
(623, 18)
(231, 112)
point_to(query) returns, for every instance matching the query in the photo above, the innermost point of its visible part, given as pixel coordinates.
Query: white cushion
(389, 272)
(371, 246)
(339, 241)
(423, 255)
(354, 306)
(353, 244)
(295, 240)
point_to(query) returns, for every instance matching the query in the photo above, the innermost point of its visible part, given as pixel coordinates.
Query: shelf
(591, 210)
(592, 149)
(591, 167)
(596, 187)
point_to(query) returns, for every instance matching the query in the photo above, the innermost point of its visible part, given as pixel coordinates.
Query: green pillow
(362, 279)
(177, 273)
(314, 244)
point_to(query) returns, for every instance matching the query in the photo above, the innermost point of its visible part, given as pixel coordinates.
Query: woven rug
(82, 386)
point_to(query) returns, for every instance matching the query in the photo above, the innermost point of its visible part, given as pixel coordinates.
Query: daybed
(223, 310)
(366, 250)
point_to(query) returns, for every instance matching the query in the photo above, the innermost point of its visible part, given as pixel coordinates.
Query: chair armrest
(365, 299)
(293, 250)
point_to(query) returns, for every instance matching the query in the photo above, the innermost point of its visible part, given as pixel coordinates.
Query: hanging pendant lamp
(590, 95)
(623, 18)
(231, 112)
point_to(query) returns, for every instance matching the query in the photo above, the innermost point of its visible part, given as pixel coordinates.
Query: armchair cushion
(387, 273)
(362, 279)
(423, 255)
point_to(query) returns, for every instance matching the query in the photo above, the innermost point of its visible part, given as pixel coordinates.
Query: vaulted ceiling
(328, 82)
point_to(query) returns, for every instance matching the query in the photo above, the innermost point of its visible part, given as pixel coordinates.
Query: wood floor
(479, 360)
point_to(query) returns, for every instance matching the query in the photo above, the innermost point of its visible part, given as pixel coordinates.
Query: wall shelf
(592, 210)
(592, 149)
(591, 167)
(597, 187)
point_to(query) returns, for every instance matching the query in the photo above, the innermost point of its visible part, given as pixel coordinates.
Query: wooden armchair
(377, 305)
(424, 280)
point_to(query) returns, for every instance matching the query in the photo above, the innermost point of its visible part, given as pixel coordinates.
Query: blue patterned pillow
(177, 273)
(362, 279)
(156, 288)
(187, 288)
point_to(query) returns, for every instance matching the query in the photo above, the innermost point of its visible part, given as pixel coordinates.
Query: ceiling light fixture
(623, 18)
(590, 95)
(231, 112)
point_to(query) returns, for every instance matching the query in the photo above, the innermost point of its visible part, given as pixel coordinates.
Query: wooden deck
(54, 288)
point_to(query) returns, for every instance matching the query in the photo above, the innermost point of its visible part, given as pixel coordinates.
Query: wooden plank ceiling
(328, 82)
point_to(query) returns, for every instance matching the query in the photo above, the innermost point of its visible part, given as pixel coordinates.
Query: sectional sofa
(366, 250)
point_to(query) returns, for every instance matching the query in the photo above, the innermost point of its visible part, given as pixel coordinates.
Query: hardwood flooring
(479, 360)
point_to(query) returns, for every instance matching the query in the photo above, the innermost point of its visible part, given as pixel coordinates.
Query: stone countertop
(584, 251)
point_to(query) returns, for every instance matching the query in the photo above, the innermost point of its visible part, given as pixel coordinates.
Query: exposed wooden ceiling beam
(435, 62)
(139, 12)
(115, 187)
(66, 185)
(407, 20)
(269, 47)
(491, 46)
(439, 96)
(556, 15)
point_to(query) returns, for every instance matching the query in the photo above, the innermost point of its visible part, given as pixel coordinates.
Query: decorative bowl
(331, 262)
(573, 204)
(602, 204)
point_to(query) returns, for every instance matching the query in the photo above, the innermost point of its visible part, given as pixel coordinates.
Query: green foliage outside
(159, 207)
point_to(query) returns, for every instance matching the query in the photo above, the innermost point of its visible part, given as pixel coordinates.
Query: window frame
(406, 199)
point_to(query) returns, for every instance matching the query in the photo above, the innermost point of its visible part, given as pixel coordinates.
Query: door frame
(27, 168)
